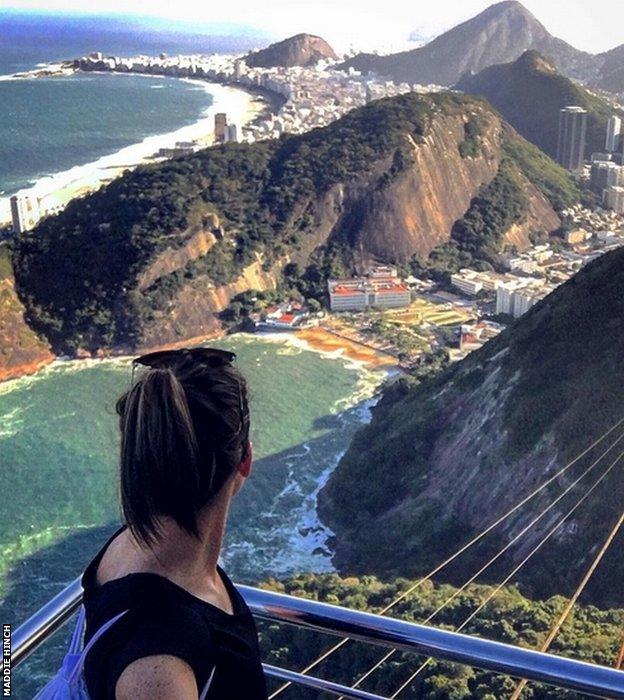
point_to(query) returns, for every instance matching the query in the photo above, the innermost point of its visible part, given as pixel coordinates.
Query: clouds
(594, 26)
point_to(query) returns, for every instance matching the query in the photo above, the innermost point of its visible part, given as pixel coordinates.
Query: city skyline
(360, 24)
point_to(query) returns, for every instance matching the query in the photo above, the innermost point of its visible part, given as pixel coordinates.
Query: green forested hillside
(441, 460)
(529, 94)
(79, 273)
(100, 244)
(590, 634)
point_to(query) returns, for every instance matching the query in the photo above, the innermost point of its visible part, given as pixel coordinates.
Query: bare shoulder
(117, 560)
(159, 677)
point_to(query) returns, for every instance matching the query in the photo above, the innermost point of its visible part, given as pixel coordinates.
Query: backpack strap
(75, 645)
(76, 642)
(83, 655)
(204, 692)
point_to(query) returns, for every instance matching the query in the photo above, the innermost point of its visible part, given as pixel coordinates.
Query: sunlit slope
(156, 255)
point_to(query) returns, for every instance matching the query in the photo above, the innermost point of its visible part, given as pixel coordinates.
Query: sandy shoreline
(241, 106)
(321, 340)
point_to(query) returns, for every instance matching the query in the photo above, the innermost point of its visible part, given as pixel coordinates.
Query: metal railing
(579, 676)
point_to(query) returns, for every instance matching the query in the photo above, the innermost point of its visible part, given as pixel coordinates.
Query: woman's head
(184, 435)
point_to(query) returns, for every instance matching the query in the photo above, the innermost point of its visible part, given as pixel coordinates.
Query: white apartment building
(467, 281)
(518, 296)
(232, 133)
(471, 282)
(25, 212)
(524, 299)
(614, 126)
(614, 199)
(381, 288)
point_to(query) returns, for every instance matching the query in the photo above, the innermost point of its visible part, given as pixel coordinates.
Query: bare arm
(160, 677)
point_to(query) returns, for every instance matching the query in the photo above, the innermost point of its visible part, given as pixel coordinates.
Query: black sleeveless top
(164, 618)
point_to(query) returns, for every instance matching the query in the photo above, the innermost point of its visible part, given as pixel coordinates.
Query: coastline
(242, 106)
(314, 339)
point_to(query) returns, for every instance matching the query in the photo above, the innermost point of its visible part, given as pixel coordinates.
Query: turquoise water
(50, 125)
(58, 444)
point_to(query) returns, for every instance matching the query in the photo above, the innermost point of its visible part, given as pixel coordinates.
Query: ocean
(58, 441)
(51, 125)
(84, 118)
(58, 435)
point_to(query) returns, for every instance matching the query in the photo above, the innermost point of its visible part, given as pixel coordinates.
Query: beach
(325, 341)
(241, 107)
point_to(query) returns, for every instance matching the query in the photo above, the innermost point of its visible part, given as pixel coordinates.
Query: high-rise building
(614, 199)
(231, 133)
(605, 174)
(25, 212)
(240, 68)
(571, 141)
(614, 127)
(220, 126)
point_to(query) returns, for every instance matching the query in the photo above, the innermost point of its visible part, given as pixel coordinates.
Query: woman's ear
(244, 467)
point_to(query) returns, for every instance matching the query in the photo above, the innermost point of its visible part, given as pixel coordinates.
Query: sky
(591, 25)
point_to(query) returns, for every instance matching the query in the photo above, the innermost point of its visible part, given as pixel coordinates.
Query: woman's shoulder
(156, 622)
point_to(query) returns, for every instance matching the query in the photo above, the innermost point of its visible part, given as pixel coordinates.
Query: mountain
(499, 34)
(299, 50)
(442, 460)
(530, 92)
(611, 76)
(155, 256)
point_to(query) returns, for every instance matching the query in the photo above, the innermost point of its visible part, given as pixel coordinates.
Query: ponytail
(160, 464)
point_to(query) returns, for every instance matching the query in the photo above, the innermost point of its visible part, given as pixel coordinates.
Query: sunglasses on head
(213, 357)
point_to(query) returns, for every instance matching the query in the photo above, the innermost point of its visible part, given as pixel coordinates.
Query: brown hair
(184, 430)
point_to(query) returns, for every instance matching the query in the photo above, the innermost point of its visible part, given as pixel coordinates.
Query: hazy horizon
(357, 25)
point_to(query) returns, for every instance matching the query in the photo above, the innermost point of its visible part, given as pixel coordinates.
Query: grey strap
(208, 684)
(80, 664)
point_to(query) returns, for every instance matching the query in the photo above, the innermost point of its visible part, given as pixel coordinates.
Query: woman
(185, 453)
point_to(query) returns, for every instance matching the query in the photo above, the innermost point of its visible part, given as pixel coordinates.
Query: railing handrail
(485, 654)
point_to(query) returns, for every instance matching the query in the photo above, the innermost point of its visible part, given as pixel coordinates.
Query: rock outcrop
(21, 350)
(298, 50)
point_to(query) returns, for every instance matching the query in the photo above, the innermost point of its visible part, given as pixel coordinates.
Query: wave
(227, 99)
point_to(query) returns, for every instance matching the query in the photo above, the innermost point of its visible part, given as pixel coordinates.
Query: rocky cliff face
(298, 50)
(154, 257)
(442, 461)
(21, 350)
(193, 311)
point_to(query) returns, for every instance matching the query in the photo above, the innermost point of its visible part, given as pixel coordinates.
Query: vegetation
(19, 345)
(529, 94)
(555, 183)
(540, 393)
(403, 340)
(470, 147)
(590, 634)
(477, 238)
(261, 193)
(263, 198)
